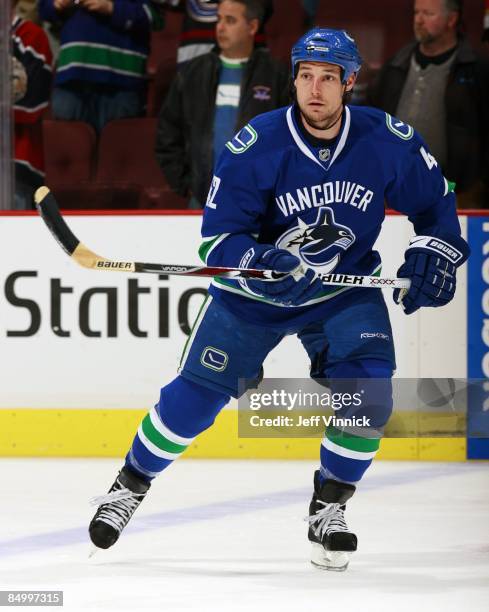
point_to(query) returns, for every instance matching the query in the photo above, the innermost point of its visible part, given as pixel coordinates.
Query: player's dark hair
(254, 9)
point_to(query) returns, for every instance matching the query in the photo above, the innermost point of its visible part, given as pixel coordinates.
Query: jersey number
(216, 183)
(429, 159)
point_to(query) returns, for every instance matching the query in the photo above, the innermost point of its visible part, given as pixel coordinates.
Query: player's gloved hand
(431, 263)
(294, 289)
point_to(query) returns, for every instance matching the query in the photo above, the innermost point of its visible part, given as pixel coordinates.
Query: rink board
(83, 354)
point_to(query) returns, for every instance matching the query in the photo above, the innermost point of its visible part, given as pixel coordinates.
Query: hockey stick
(49, 211)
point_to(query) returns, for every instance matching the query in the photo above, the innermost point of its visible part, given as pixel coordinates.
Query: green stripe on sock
(103, 57)
(356, 443)
(159, 440)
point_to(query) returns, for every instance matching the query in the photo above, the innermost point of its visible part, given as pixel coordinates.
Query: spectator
(213, 96)
(31, 88)
(27, 9)
(199, 27)
(101, 69)
(438, 85)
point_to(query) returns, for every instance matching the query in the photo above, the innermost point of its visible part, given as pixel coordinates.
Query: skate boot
(116, 508)
(332, 543)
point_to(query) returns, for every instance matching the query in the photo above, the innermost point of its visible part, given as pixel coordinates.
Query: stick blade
(48, 208)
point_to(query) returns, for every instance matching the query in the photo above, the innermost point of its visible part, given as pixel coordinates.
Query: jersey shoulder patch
(266, 129)
(399, 128)
(243, 140)
(373, 121)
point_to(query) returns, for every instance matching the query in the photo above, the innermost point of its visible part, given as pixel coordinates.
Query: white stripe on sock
(152, 448)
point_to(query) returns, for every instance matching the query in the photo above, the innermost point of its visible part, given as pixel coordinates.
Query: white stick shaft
(377, 282)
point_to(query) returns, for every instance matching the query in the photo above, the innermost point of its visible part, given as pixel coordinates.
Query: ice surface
(229, 535)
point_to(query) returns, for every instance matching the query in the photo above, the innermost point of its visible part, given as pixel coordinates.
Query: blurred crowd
(127, 103)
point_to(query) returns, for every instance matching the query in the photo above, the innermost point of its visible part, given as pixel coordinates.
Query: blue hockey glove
(431, 263)
(294, 289)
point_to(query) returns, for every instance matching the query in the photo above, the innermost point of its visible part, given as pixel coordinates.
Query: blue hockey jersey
(324, 204)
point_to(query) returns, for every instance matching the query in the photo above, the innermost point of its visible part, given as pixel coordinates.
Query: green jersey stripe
(231, 65)
(108, 57)
(223, 284)
(102, 46)
(208, 245)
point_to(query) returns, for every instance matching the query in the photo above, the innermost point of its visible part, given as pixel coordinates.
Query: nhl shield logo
(324, 155)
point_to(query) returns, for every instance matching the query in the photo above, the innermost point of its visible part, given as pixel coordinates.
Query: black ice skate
(116, 508)
(332, 543)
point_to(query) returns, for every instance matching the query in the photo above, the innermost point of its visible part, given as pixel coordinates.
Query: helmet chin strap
(332, 124)
(328, 127)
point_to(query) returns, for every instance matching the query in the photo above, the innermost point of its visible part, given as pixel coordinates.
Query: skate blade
(331, 560)
(92, 551)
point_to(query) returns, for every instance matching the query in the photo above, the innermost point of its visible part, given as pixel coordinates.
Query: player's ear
(350, 83)
(292, 90)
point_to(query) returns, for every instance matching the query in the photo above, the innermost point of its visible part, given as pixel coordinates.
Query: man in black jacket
(440, 87)
(214, 96)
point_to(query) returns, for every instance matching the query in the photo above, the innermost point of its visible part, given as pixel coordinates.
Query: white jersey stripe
(194, 332)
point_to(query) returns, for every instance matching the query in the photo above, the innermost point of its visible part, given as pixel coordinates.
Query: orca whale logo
(319, 244)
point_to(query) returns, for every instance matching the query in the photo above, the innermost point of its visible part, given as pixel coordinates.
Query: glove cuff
(252, 256)
(453, 248)
(250, 259)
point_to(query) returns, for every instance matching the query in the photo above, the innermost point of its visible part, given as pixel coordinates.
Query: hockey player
(301, 190)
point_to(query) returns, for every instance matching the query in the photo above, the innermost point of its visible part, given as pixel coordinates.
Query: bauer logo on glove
(438, 246)
(431, 263)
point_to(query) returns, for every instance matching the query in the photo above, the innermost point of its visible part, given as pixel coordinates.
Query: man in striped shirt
(101, 69)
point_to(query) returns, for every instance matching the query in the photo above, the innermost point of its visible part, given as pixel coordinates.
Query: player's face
(320, 92)
(234, 33)
(431, 20)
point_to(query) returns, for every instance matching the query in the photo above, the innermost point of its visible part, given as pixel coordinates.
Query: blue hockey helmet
(329, 46)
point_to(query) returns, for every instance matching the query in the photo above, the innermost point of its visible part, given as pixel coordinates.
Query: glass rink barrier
(6, 142)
